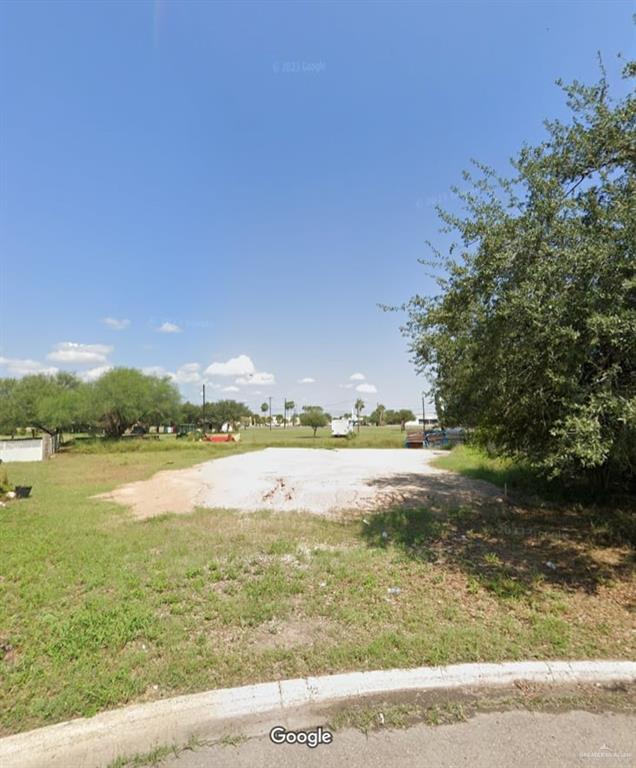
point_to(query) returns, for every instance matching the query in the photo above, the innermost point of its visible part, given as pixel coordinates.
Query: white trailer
(341, 427)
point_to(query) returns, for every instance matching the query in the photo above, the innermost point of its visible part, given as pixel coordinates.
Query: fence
(38, 449)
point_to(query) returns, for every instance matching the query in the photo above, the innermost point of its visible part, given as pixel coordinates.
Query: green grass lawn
(473, 462)
(302, 437)
(256, 437)
(615, 515)
(98, 610)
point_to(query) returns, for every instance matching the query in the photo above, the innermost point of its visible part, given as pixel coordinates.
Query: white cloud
(169, 328)
(346, 386)
(185, 374)
(368, 388)
(188, 374)
(156, 370)
(258, 378)
(24, 367)
(94, 373)
(72, 352)
(235, 366)
(357, 377)
(307, 380)
(116, 324)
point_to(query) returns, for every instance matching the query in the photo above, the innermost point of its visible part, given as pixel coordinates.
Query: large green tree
(314, 416)
(8, 420)
(226, 412)
(190, 413)
(49, 403)
(379, 415)
(399, 417)
(532, 337)
(124, 396)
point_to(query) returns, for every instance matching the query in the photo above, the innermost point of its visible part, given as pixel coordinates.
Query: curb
(94, 742)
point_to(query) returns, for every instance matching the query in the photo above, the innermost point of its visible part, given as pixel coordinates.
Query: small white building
(38, 449)
(429, 422)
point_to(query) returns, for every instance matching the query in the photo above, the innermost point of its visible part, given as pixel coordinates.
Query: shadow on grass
(521, 478)
(514, 477)
(410, 489)
(509, 550)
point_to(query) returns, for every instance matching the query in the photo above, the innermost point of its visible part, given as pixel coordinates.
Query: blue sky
(227, 191)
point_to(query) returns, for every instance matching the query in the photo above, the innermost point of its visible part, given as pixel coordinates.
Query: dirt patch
(8, 653)
(322, 482)
(276, 635)
(178, 491)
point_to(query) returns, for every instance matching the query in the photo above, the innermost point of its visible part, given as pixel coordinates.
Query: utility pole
(423, 421)
(203, 409)
(270, 413)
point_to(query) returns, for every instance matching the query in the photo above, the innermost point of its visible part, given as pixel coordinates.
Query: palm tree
(289, 406)
(359, 407)
(264, 408)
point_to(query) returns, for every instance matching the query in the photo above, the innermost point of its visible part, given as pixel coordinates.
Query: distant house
(429, 422)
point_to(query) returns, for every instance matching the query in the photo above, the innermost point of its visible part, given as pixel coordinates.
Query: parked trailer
(341, 427)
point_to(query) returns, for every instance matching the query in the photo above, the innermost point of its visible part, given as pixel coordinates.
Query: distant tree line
(125, 397)
(118, 400)
(216, 414)
(112, 404)
(381, 416)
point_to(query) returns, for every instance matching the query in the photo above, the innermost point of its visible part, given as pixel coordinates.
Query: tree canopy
(113, 403)
(288, 407)
(125, 396)
(381, 415)
(313, 416)
(399, 417)
(378, 415)
(531, 339)
(49, 403)
(191, 413)
(226, 412)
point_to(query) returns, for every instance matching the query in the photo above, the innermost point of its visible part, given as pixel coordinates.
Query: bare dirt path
(319, 481)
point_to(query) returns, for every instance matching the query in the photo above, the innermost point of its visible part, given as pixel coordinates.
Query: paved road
(495, 740)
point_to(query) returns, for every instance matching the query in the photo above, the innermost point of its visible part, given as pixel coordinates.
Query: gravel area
(319, 481)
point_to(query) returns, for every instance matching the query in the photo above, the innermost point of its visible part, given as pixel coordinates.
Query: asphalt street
(518, 739)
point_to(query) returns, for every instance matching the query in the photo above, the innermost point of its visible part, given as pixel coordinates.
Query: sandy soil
(323, 482)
